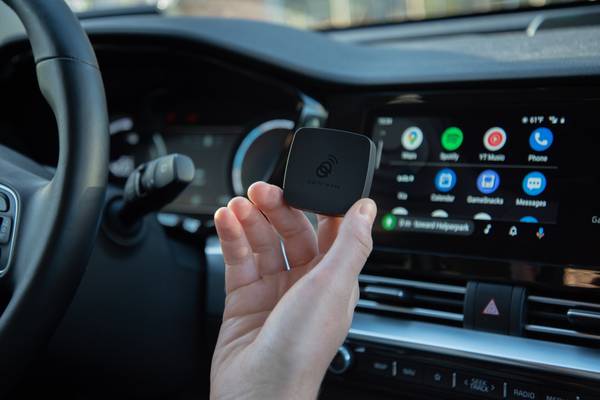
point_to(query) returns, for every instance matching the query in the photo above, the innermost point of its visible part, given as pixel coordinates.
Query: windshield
(324, 14)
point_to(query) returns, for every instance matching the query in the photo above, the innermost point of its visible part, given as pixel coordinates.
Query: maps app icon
(534, 183)
(412, 138)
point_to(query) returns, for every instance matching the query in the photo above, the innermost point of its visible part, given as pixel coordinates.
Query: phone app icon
(445, 180)
(488, 181)
(452, 138)
(494, 139)
(534, 183)
(541, 139)
(412, 138)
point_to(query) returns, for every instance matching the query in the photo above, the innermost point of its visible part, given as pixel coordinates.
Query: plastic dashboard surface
(470, 58)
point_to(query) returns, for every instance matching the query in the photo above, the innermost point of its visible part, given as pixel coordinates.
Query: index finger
(292, 225)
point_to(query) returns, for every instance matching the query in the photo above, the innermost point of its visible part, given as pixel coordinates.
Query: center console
(485, 276)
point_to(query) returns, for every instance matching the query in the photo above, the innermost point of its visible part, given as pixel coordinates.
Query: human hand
(281, 329)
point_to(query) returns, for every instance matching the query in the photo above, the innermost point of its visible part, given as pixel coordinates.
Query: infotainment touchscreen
(513, 182)
(438, 169)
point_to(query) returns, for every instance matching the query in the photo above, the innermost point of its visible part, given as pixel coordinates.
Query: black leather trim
(53, 30)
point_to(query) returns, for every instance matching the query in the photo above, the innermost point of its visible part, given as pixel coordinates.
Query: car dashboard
(484, 281)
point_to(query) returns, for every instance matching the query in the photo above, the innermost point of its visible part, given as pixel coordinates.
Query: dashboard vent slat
(562, 320)
(415, 300)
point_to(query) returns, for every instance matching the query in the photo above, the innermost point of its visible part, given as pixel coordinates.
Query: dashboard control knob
(342, 361)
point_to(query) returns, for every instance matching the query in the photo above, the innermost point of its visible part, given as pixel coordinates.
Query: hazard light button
(494, 308)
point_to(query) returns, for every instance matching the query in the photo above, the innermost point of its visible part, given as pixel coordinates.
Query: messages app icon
(534, 183)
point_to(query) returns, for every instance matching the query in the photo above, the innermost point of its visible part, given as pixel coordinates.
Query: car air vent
(563, 320)
(416, 300)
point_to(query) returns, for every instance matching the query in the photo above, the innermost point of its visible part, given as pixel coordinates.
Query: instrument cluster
(231, 147)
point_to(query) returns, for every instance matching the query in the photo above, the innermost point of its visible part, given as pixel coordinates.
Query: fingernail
(368, 209)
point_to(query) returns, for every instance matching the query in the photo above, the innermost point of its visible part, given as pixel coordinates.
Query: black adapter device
(328, 170)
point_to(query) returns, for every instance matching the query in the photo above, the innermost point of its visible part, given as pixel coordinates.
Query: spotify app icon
(452, 138)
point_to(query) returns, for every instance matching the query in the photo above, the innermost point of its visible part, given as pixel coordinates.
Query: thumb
(354, 241)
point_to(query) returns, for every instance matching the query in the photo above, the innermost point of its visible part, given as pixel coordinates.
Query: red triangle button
(491, 309)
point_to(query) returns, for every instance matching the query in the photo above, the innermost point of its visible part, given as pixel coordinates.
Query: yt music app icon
(494, 139)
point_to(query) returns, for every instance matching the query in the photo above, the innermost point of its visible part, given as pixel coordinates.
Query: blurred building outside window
(315, 14)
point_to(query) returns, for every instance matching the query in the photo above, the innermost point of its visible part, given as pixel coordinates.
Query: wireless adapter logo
(326, 167)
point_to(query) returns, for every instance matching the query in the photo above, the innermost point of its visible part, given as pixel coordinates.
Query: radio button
(520, 391)
(480, 385)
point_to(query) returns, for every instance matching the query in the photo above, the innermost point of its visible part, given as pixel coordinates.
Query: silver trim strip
(510, 350)
(584, 314)
(561, 302)
(560, 332)
(215, 277)
(415, 284)
(384, 291)
(15, 225)
(422, 312)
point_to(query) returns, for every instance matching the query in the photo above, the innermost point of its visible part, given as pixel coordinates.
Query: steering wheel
(49, 221)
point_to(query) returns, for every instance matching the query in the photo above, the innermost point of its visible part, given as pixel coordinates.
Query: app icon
(445, 180)
(400, 211)
(487, 229)
(529, 220)
(452, 138)
(439, 213)
(513, 231)
(534, 183)
(494, 139)
(488, 181)
(482, 216)
(412, 138)
(388, 222)
(541, 139)
(540, 233)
